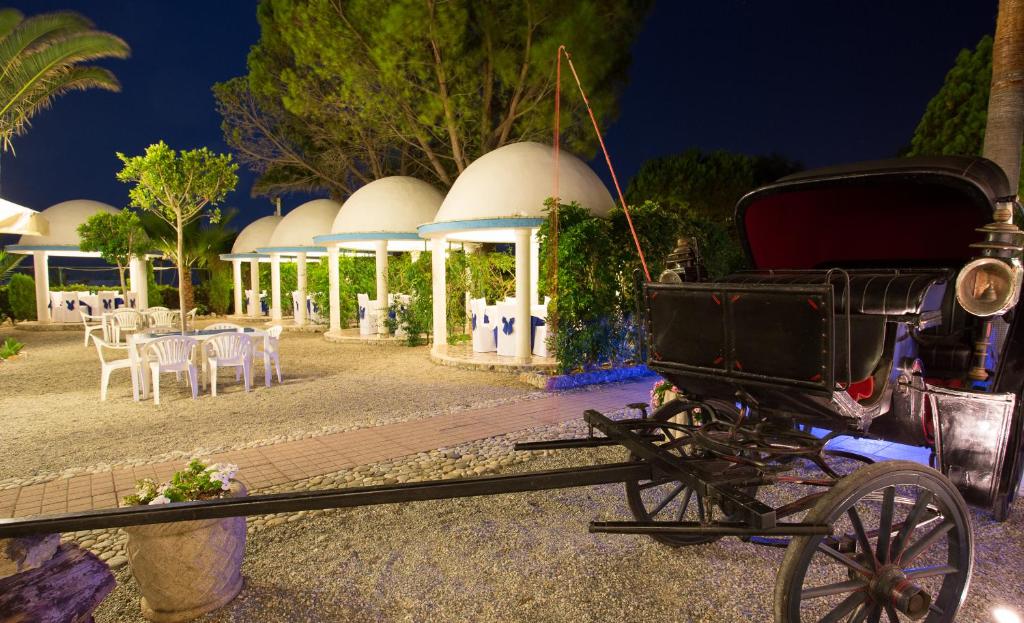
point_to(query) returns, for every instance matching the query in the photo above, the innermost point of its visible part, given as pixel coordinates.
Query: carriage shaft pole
(328, 498)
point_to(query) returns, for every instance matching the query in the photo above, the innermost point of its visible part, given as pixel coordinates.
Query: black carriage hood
(894, 213)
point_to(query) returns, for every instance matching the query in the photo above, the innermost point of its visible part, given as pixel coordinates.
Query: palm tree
(203, 244)
(1004, 129)
(43, 57)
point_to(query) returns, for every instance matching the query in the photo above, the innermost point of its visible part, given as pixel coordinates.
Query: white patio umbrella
(16, 219)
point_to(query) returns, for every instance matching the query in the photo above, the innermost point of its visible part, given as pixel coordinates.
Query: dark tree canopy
(954, 121)
(703, 188)
(341, 92)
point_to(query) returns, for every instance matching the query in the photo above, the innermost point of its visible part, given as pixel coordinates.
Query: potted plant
(186, 569)
(10, 348)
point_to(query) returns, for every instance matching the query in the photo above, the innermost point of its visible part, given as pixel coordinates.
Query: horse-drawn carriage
(880, 304)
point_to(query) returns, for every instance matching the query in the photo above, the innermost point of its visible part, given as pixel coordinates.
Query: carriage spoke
(844, 559)
(671, 496)
(832, 589)
(861, 614)
(876, 614)
(862, 536)
(891, 613)
(844, 608)
(925, 542)
(913, 518)
(937, 610)
(685, 504)
(929, 572)
(885, 524)
(700, 509)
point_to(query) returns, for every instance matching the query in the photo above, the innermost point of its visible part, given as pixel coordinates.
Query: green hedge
(21, 292)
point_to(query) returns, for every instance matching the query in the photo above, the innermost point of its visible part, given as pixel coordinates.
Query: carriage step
(693, 528)
(585, 442)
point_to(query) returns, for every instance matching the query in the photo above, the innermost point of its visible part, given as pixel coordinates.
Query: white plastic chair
(170, 354)
(106, 367)
(228, 350)
(483, 327)
(271, 350)
(162, 318)
(94, 323)
(223, 326)
(125, 321)
(158, 308)
(368, 312)
(190, 317)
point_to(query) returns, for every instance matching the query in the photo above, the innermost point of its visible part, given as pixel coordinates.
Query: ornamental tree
(180, 188)
(117, 237)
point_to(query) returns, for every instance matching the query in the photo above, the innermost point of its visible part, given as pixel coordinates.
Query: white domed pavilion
(292, 240)
(62, 240)
(253, 236)
(500, 198)
(381, 216)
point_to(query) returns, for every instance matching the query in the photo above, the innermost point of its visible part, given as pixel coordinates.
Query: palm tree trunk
(1004, 131)
(181, 274)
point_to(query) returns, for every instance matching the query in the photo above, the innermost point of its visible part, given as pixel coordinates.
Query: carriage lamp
(684, 264)
(990, 284)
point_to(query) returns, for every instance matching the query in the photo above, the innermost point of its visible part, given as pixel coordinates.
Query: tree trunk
(124, 288)
(181, 274)
(1004, 130)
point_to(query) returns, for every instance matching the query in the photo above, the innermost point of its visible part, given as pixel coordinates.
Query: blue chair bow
(107, 303)
(392, 314)
(362, 312)
(506, 325)
(535, 321)
(474, 322)
(119, 301)
(70, 304)
(88, 307)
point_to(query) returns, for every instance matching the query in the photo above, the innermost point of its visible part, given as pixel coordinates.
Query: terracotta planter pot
(188, 568)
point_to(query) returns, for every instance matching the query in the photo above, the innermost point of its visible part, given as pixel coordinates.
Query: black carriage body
(848, 318)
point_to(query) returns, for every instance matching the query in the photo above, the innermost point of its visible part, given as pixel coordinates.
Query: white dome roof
(298, 227)
(397, 204)
(256, 234)
(513, 181)
(64, 219)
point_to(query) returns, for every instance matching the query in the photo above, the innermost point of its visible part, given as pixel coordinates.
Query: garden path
(289, 461)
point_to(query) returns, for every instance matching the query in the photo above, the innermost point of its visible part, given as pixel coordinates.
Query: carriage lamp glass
(988, 286)
(1005, 615)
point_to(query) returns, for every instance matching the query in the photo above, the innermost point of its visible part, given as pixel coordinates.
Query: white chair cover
(483, 327)
(368, 312)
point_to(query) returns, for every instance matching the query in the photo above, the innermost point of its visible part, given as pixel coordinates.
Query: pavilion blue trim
(292, 250)
(368, 235)
(25, 248)
(243, 256)
(512, 222)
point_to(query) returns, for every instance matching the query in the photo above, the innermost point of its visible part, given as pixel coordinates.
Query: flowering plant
(195, 482)
(658, 393)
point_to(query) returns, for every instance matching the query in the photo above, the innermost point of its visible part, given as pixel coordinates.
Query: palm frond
(8, 262)
(42, 57)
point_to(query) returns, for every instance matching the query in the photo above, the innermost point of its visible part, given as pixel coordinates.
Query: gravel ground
(52, 418)
(523, 557)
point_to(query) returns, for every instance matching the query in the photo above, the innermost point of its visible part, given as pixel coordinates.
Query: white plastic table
(137, 341)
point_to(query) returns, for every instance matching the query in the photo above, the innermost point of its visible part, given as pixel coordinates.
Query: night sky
(819, 82)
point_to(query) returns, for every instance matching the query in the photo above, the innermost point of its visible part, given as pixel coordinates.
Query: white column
(275, 287)
(437, 279)
(141, 284)
(134, 277)
(254, 285)
(41, 266)
(300, 283)
(534, 268)
(522, 314)
(236, 275)
(381, 247)
(335, 280)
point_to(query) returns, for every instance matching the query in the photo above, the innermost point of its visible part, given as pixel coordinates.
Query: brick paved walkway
(297, 460)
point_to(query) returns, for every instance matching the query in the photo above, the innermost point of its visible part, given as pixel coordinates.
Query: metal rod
(585, 442)
(715, 528)
(329, 498)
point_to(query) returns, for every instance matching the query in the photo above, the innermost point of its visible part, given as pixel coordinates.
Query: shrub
(166, 294)
(21, 292)
(196, 482)
(219, 291)
(10, 347)
(5, 305)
